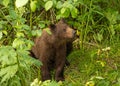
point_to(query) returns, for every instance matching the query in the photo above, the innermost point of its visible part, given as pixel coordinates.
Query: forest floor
(94, 67)
(91, 66)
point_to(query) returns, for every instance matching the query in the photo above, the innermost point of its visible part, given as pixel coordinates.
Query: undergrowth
(94, 61)
(94, 66)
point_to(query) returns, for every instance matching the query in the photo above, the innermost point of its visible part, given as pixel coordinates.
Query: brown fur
(50, 49)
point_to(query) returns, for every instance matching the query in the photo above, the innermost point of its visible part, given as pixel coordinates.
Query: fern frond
(8, 72)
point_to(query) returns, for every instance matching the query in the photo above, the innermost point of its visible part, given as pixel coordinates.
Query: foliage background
(96, 50)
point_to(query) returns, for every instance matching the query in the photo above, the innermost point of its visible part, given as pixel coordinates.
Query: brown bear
(50, 49)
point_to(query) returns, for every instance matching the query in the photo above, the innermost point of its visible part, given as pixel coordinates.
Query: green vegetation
(95, 60)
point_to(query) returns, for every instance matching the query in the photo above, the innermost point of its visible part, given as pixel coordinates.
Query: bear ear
(52, 26)
(62, 20)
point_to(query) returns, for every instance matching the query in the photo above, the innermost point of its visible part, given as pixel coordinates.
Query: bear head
(62, 30)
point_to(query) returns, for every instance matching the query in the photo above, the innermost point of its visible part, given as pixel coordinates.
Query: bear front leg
(44, 56)
(45, 72)
(59, 74)
(60, 63)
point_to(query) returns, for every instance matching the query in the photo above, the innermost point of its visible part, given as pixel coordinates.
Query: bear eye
(64, 30)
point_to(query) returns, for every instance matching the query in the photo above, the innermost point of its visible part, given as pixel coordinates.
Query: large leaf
(8, 72)
(48, 5)
(22, 43)
(20, 3)
(65, 12)
(20, 34)
(7, 56)
(74, 12)
(33, 6)
(36, 32)
(6, 2)
(17, 43)
(59, 4)
(25, 60)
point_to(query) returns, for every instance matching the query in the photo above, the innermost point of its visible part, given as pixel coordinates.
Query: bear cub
(50, 49)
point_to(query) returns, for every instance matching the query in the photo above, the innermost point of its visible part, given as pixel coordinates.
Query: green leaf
(17, 43)
(1, 34)
(6, 2)
(20, 3)
(7, 55)
(25, 59)
(99, 37)
(15, 81)
(13, 14)
(5, 32)
(112, 30)
(59, 5)
(48, 31)
(33, 6)
(48, 5)
(58, 16)
(20, 34)
(74, 12)
(41, 25)
(36, 32)
(8, 72)
(63, 10)
(103, 83)
(22, 43)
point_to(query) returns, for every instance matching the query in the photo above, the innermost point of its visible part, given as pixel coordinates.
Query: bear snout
(74, 33)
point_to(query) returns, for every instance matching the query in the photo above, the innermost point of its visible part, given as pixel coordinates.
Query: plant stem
(31, 26)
